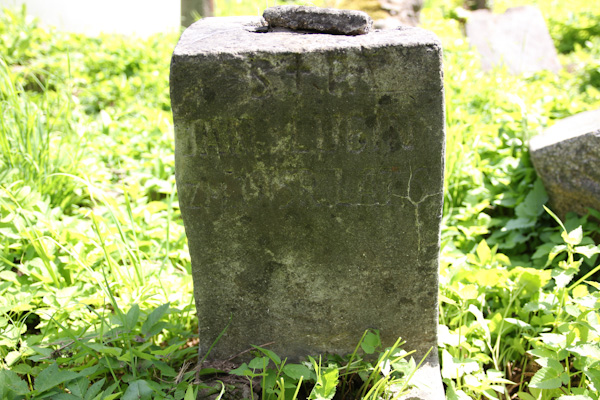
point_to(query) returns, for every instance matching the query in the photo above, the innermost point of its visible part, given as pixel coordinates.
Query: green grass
(95, 286)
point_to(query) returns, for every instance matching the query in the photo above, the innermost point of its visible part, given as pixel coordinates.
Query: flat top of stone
(323, 20)
(584, 123)
(242, 35)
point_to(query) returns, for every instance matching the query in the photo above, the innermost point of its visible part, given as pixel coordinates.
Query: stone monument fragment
(518, 38)
(566, 157)
(309, 169)
(324, 20)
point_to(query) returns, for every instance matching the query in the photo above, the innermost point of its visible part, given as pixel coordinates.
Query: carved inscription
(234, 168)
(223, 137)
(327, 188)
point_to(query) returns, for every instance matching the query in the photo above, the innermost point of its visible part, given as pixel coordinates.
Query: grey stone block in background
(310, 173)
(404, 12)
(518, 38)
(567, 159)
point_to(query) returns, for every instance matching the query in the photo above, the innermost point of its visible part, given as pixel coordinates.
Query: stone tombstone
(519, 39)
(309, 169)
(566, 157)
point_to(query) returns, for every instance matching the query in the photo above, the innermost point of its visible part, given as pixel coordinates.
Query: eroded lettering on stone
(302, 187)
(220, 137)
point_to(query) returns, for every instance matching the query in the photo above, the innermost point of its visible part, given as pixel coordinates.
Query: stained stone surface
(323, 20)
(567, 159)
(309, 169)
(519, 39)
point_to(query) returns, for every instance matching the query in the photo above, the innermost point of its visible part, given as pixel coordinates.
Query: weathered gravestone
(566, 157)
(518, 39)
(309, 168)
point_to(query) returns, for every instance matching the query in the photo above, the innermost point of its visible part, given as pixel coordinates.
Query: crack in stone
(416, 205)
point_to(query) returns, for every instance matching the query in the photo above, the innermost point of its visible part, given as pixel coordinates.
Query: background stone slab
(567, 159)
(310, 177)
(519, 39)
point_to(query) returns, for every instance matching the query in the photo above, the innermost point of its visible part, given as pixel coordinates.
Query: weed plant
(95, 285)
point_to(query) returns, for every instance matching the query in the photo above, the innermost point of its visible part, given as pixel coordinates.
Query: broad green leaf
(453, 368)
(107, 350)
(143, 355)
(60, 396)
(546, 378)
(138, 390)
(484, 253)
(519, 323)
(164, 368)
(370, 342)
(469, 292)
(258, 363)
(455, 394)
(480, 319)
(93, 390)
(594, 284)
(525, 396)
(242, 370)
(532, 206)
(156, 329)
(269, 381)
(189, 393)
(87, 372)
(297, 371)
(153, 318)
(519, 223)
(563, 276)
(593, 375)
(445, 336)
(271, 354)
(551, 363)
(543, 250)
(132, 317)
(530, 279)
(574, 237)
(572, 310)
(79, 386)
(326, 385)
(587, 250)
(108, 394)
(591, 350)
(490, 277)
(556, 250)
(110, 397)
(554, 339)
(22, 369)
(12, 357)
(580, 291)
(10, 381)
(51, 377)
